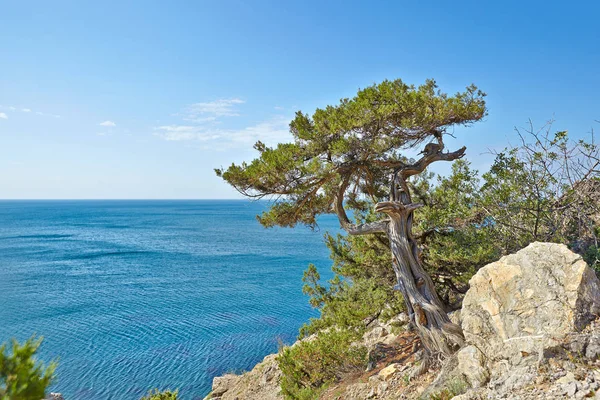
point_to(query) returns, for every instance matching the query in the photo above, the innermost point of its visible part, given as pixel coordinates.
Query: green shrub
(592, 257)
(158, 395)
(311, 365)
(348, 305)
(21, 376)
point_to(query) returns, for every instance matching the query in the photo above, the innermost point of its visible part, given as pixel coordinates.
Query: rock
(376, 354)
(592, 350)
(54, 396)
(455, 317)
(388, 372)
(567, 378)
(400, 319)
(506, 379)
(262, 383)
(471, 363)
(569, 388)
(578, 344)
(222, 384)
(448, 373)
(374, 336)
(470, 395)
(528, 301)
(358, 391)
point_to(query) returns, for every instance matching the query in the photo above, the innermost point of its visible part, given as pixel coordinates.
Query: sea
(133, 295)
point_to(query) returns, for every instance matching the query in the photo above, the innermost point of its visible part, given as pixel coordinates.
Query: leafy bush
(592, 257)
(310, 365)
(348, 305)
(455, 237)
(158, 395)
(21, 376)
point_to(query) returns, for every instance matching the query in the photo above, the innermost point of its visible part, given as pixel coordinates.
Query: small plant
(406, 379)
(443, 395)
(454, 387)
(21, 376)
(158, 395)
(457, 386)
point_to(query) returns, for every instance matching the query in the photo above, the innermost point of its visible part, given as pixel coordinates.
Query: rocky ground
(531, 328)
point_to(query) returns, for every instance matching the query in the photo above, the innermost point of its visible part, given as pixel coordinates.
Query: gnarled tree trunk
(438, 334)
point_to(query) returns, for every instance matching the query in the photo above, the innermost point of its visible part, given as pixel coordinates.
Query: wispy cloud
(47, 115)
(182, 132)
(109, 124)
(270, 132)
(28, 110)
(204, 124)
(212, 110)
(3, 115)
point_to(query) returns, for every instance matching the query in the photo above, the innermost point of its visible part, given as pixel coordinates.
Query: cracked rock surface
(529, 301)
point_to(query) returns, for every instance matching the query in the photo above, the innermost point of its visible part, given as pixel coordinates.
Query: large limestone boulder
(528, 301)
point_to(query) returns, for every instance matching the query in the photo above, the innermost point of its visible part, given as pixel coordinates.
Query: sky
(143, 99)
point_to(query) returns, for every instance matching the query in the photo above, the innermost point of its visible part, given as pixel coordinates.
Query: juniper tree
(350, 153)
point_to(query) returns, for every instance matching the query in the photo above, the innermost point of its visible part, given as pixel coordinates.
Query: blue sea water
(132, 295)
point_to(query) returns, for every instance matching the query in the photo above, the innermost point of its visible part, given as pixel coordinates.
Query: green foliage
(351, 142)
(454, 387)
(21, 376)
(158, 395)
(310, 365)
(592, 257)
(464, 225)
(348, 305)
(454, 235)
(544, 189)
(362, 287)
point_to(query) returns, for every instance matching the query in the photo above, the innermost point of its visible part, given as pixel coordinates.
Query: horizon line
(128, 199)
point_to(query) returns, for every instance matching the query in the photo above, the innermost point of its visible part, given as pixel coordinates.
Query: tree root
(422, 368)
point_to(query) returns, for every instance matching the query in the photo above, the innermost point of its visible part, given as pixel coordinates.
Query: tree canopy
(347, 150)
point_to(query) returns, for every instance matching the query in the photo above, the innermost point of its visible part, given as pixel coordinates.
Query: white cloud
(3, 115)
(203, 125)
(210, 111)
(47, 115)
(270, 132)
(109, 124)
(29, 110)
(179, 132)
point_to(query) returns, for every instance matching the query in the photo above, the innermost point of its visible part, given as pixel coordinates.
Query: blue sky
(143, 99)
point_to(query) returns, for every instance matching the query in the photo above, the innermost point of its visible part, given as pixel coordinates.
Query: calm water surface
(139, 294)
